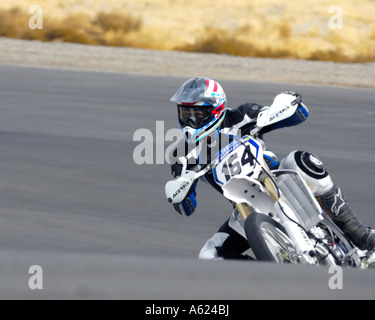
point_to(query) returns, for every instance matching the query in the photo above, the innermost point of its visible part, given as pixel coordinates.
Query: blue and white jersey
(237, 123)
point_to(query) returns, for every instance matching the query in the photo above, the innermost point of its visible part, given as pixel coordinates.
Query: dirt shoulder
(183, 64)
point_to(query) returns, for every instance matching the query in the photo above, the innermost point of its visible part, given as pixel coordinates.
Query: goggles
(195, 116)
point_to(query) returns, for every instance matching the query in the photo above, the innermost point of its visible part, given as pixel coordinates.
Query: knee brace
(311, 169)
(209, 251)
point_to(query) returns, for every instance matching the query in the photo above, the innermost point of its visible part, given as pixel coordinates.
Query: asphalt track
(74, 202)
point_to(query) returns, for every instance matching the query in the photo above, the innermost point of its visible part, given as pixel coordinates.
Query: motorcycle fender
(243, 189)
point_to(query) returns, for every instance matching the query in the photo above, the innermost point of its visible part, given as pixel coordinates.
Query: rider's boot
(337, 207)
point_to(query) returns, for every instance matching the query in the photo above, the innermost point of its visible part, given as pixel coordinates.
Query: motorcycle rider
(205, 119)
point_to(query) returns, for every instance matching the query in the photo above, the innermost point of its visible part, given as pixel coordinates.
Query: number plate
(234, 160)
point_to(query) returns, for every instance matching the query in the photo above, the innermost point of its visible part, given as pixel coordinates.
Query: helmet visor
(192, 91)
(195, 116)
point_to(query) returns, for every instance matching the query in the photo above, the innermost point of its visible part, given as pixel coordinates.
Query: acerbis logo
(278, 113)
(180, 189)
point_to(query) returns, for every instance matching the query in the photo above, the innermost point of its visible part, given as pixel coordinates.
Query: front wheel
(269, 240)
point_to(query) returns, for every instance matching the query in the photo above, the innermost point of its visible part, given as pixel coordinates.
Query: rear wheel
(338, 245)
(269, 240)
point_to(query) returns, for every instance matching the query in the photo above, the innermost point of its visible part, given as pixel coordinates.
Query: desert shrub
(13, 23)
(220, 41)
(273, 38)
(337, 55)
(104, 29)
(118, 22)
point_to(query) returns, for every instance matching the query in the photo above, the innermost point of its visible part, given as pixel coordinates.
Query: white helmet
(201, 104)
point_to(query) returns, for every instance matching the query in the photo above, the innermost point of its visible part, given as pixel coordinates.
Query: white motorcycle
(277, 212)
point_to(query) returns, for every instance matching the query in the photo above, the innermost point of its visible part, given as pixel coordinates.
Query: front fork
(244, 209)
(303, 245)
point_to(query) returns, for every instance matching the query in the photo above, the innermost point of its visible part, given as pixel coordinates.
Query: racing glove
(188, 206)
(292, 93)
(298, 117)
